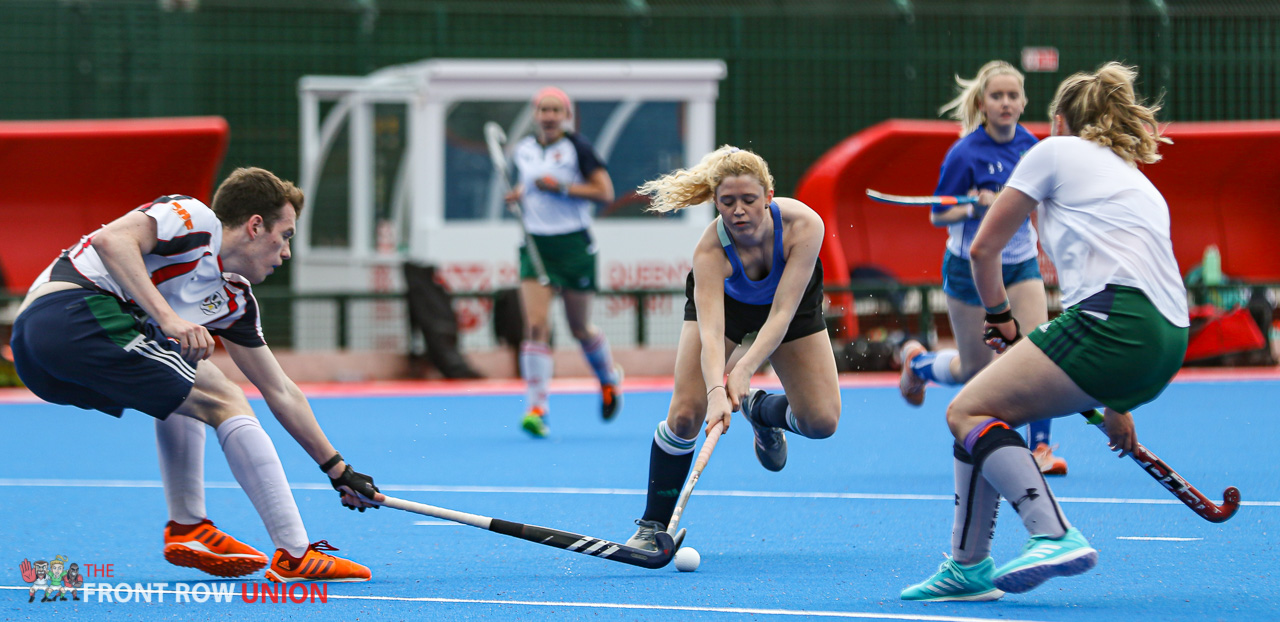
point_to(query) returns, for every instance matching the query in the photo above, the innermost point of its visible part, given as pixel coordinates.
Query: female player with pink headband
(560, 178)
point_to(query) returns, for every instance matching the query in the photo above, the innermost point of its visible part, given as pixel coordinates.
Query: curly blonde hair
(697, 184)
(967, 106)
(1101, 107)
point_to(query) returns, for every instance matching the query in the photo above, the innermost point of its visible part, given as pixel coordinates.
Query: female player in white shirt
(561, 180)
(1119, 342)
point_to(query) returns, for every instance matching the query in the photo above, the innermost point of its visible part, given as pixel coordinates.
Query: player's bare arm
(121, 245)
(710, 269)
(1010, 210)
(289, 406)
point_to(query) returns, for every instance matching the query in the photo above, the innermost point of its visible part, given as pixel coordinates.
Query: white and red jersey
(184, 266)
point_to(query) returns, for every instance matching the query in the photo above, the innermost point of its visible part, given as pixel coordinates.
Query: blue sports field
(850, 522)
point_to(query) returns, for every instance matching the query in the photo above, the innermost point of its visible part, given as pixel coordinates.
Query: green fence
(803, 74)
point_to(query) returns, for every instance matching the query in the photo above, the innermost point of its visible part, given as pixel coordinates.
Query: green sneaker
(535, 423)
(956, 582)
(1044, 558)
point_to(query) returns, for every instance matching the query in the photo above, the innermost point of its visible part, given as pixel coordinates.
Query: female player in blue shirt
(755, 268)
(561, 178)
(988, 108)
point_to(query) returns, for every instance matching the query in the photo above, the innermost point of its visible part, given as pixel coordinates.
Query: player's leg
(595, 347)
(1023, 385)
(968, 574)
(809, 405)
(536, 365)
(950, 366)
(1027, 300)
(671, 453)
(256, 466)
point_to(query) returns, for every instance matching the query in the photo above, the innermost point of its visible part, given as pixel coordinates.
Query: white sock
(536, 365)
(180, 444)
(253, 460)
(671, 443)
(942, 367)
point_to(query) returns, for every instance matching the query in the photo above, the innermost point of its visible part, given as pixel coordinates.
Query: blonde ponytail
(1101, 107)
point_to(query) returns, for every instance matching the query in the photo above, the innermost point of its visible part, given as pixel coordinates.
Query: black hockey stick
(573, 542)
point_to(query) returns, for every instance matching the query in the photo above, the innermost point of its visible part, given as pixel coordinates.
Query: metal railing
(911, 308)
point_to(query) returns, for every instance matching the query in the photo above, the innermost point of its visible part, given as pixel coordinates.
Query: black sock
(775, 411)
(666, 478)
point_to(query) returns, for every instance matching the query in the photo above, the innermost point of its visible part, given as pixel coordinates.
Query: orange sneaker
(1049, 464)
(611, 395)
(911, 385)
(205, 547)
(315, 565)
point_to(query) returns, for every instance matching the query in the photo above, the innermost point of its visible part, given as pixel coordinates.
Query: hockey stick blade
(572, 542)
(897, 199)
(1174, 483)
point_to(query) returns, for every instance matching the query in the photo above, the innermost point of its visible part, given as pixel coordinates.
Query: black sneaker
(771, 442)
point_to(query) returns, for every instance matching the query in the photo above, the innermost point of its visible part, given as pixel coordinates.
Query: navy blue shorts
(957, 277)
(82, 348)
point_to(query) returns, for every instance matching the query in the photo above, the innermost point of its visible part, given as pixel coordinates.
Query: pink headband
(551, 91)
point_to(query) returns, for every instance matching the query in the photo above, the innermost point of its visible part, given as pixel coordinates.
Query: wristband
(330, 463)
(1000, 308)
(719, 386)
(1001, 317)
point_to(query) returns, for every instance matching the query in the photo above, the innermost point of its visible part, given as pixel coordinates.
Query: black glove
(994, 338)
(356, 482)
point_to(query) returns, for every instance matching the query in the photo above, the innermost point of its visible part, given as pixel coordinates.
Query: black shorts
(83, 348)
(741, 319)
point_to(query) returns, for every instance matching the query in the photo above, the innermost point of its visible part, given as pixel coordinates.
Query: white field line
(1158, 538)
(631, 606)
(553, 490)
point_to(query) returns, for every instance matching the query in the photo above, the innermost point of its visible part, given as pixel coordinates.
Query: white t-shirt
(1102, 222)
(570, 160)
(184, 266)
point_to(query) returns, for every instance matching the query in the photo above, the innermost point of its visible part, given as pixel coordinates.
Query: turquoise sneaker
(956, 582)
(1044, 558)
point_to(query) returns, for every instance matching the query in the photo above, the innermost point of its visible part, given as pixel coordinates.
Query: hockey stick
(1156, 468)
(573, 542)
(898, 199)
(494, 137)
(708, 446)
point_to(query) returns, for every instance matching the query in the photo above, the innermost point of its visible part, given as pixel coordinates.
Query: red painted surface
(1219, 179)
(63, 179)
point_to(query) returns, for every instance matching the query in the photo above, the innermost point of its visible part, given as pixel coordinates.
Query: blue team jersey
(977, 162)
(739, 286)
